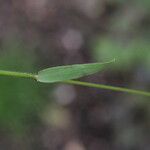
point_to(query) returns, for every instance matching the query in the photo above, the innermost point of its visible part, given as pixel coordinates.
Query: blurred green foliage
(20, 100)
(127, 53)
(127, 39)
(143, 3)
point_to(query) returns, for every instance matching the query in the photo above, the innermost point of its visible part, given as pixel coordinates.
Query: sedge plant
(67, 74)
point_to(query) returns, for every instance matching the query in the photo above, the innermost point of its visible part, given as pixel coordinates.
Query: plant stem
(87, 84)
(108, 87)
(17, 74)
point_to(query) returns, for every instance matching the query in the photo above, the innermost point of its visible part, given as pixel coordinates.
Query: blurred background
(36, 34)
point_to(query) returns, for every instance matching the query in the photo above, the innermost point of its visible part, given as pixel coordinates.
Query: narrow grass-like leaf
(62, 73)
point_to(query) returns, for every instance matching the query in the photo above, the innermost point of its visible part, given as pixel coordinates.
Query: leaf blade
(62, 73)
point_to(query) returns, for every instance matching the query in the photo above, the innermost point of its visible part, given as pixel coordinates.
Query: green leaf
(62, 73)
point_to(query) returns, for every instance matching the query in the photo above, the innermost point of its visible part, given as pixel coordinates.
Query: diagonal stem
(17, 74)
(108, 87)
(75, 82)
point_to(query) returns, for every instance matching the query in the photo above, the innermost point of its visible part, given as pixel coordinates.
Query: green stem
(17, 74)
(108, 87)
(93, 85)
